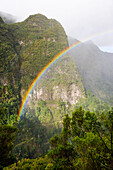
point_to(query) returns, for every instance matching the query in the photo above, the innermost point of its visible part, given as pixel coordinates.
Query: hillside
(9, 74)
(96, 69)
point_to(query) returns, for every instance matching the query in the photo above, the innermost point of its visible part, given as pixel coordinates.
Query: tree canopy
(86, 142)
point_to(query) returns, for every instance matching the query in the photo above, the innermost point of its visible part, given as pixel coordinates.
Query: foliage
(34, 164)
(92, 103)
(7, 134)
(90, 139)
(9, 75)
(41, 39)
(86, 139)
(32, 140)
(63, 152)
(9, 105)
(26, 48)
(86, 142)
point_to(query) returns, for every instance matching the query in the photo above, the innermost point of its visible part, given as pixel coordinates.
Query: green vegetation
(42, 120)
(41, 39)
(48, 112)
(55, 94)
(9, 75)
(32, 140)
(86, 142)
(92, 103)
(26, 47)
(7, 134)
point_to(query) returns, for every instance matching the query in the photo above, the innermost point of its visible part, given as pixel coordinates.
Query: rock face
(61, 82)
(71, 94)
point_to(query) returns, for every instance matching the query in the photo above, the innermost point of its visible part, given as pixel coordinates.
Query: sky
(81, 19)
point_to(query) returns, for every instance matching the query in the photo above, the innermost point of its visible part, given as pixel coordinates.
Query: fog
(81, 19)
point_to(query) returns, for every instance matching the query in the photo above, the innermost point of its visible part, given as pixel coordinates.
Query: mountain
(58, 92)
(27, 47)
(40, 39)
(96, 69)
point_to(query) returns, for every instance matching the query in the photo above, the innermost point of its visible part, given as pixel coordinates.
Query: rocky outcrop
(71, 94)
(61, 82)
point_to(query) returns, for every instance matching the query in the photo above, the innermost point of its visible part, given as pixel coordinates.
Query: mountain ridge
(96, 69)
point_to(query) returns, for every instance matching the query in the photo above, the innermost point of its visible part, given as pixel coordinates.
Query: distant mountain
(8, 18)
(96, 69)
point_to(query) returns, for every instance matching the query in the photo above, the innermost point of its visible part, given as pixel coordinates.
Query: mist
(8, 18)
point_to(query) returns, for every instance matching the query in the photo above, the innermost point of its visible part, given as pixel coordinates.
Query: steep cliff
(61, 81)
(61, 84)
(40, 39)
(26, 47)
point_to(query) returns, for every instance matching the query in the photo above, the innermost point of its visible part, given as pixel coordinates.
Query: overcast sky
(81, 19)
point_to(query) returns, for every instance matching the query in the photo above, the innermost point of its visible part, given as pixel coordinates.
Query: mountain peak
(72, 40)
(37, 18)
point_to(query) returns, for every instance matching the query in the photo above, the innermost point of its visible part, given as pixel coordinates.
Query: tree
(86, 141)
(63, 153)
(7, 135)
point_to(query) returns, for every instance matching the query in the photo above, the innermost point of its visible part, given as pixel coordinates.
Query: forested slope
(9, 74)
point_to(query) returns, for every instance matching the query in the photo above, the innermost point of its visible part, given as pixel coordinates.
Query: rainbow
(44, 70)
